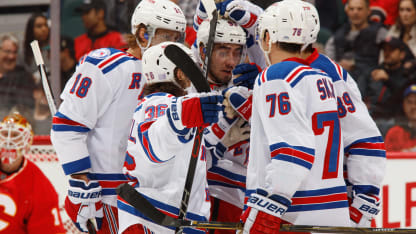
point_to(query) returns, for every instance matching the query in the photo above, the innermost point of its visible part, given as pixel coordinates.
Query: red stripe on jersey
(369, 145)
(112, 58)
(199, 20)
(57, 120)
(294, 153)
(339, 70)
(146, 146)
(263, 78)
(145, 126)
(217, 131)
(296, 72)
(110, 184)
(221, 178)
(253, 19)
(319, 199)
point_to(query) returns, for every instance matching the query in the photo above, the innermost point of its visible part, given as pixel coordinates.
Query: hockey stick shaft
(140, 203)
(213, 17)
(42, 71)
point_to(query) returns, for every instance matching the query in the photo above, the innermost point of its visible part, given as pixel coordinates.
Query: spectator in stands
(30, 202)
(42, 118)
(67, 57)
(98, 34)
(402, 137)
(355, 46)
(405, 27)
(37, 28)
(16, 84)
(387, 79)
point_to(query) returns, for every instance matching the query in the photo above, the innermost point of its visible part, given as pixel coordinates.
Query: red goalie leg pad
(192, 113)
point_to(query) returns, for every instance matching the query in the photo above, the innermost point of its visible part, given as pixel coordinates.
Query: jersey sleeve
(288, 136)
(364, 145)
(45, 217)
(86, 97)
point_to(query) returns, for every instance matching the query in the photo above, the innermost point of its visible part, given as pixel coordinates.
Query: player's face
(8, 56)
(162, 35)
(224, 58)
(409, 106)
(357, 12)
(407, 13)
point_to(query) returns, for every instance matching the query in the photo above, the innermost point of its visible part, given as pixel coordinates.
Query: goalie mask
(285, 22)
(157, 14)
(226, 32)
(157, 68)
(16, 137)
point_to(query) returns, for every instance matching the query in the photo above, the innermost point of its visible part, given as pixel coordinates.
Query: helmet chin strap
(266, 53)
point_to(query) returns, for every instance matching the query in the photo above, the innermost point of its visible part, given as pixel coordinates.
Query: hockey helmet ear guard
(16, 137)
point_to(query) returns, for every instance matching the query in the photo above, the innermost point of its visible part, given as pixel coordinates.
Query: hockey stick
(51, 101)
(139, 202)
(41, 65)
(211, 9)
(191, 70)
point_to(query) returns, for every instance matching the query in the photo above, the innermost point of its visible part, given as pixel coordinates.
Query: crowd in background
(374, 40)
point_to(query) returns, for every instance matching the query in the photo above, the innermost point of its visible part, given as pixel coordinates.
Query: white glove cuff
(368, 209)
(266, 205)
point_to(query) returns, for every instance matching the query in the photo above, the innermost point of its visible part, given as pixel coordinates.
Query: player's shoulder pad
(289, 71)
(106, 59)
(335, 71)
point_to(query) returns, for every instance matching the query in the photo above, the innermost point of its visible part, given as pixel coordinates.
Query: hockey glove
(245, 74)
(83, 202)
(363, 209)
(264, 213)
(195, 110)
(238, 100)
(244, 13)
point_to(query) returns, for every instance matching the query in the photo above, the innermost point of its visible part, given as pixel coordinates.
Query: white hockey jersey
(91, 128)
(364, 146)
(296, 148)
(157, 160)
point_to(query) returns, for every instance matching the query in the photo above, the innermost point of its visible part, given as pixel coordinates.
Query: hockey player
(160, 144)
(226, 141)
(29, 201)
(295, 171)
(364, 146)
(89, 131)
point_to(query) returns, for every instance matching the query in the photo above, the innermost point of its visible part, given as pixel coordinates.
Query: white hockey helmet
(312, 22)
(16, 137)
(156, 14)
(227, 31)
(156, 67)
(285, 22)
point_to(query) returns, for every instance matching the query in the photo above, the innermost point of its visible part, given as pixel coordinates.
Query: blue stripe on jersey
(116, 63)
(100, 176)
(336, 202)
(237, 178)
(366, 189)
(323, 206)
(291, 159)
(326, 64)
(95, 61)
(372, 146)
(320, 192)
(77, 166)
(66, 128)
(182, 132)
(286, 145)
(147, 146)
(367, 152)
(299, 155)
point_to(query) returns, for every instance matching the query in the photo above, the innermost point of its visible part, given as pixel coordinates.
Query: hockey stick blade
(188, 66)
(140, 203)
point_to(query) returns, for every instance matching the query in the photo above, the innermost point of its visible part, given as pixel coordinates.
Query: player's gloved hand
(195, 110)
(238, 100)
(264, 213)
(363, 209)
(244, 13)
(245, 74)
(83, 202)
